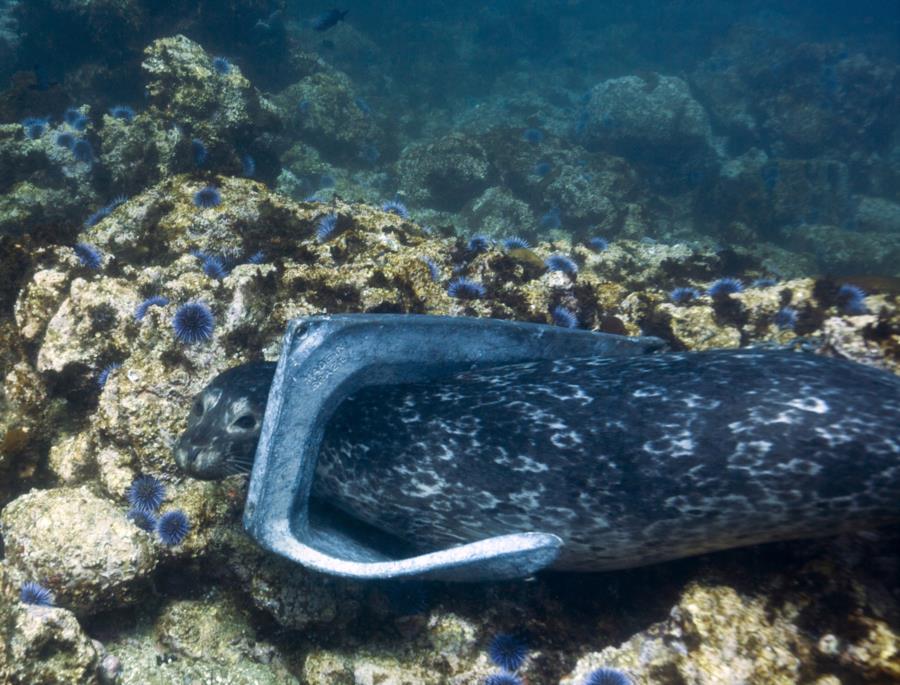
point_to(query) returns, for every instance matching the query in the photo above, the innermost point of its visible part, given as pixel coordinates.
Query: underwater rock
(322, 109)
(39, 300)
(444, 174)
(42, 645)
(43, 189)
(642, 264)
(839, 251)
(592, 196)
(208, 637)
(815, 191)
(81, 546)
(713, 635)
(444, 653)
(223, 111)
(652, 118)
(295, 597)
(95, 316)
(71, 459)
(877, 214)
(209, 627)
(140, 152)
(499, 214)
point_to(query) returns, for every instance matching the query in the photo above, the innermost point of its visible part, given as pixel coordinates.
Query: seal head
(224, 423)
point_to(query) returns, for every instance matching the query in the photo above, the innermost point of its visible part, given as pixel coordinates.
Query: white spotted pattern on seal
(629, 460)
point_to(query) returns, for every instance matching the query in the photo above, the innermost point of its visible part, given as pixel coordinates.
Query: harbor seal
(588, 462)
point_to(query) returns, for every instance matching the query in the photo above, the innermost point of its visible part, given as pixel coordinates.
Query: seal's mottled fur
(629, 460)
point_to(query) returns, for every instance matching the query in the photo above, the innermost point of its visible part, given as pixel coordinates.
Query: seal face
(224, 423)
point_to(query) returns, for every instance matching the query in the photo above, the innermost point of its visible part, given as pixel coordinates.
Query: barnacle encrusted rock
(81, 546)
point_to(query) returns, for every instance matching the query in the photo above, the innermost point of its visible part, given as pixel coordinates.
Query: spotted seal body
(630, 461)
(585, 454)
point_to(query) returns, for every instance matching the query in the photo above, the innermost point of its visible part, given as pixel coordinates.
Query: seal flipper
(326, 359)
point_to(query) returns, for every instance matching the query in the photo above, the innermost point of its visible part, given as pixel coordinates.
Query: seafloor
(293, 178)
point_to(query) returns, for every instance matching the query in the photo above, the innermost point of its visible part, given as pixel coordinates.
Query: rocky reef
(147, 251)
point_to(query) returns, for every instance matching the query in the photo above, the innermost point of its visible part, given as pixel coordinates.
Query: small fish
(328, 19)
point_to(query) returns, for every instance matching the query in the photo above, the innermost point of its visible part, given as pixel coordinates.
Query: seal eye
(247, 422)
(198, 408)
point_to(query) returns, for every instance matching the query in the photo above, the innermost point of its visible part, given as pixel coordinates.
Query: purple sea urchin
(173, 527)
(145, 520)
(502, 679)
(146, 493)
(214, 267)
(153, 301)
(598, 244)
(607, 676)
(74, 118)
(463, 289)
(433, 269)
(515, 243)
(65, 139)
(724, 287)
(34, 127)
(96, 217)
(193, 322)
(123, 112)
(88, 255)
(560, 262)
(207, 198)
(395, 207)
(105, 372)
(83, 151)
(508, 651)
(563, 317)
(479, 243)
(35, 594)
(221, 65)
(851, 299)
(683, 295)
(786, 318)
(326, 227)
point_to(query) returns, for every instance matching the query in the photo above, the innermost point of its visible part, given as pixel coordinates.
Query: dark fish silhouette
(328, 19)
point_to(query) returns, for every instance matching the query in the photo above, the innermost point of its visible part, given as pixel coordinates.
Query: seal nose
(186, 456)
